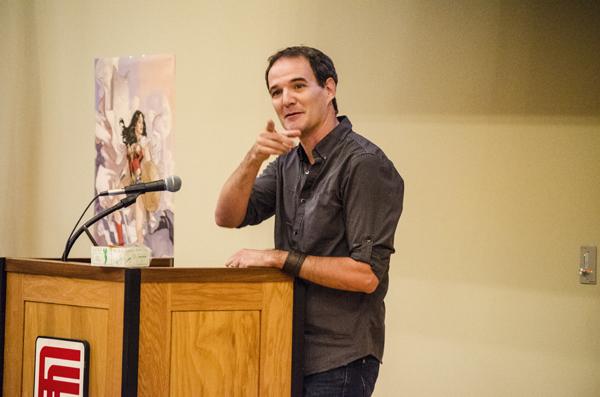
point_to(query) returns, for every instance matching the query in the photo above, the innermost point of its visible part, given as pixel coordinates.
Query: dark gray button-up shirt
(346, 204)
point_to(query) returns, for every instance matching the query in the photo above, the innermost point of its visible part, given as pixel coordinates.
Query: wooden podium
(156, 331)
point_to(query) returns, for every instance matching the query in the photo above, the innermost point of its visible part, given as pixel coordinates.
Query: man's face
(300, 102)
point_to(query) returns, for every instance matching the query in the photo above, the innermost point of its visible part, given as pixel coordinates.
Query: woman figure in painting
(140, 168)
(133, 137)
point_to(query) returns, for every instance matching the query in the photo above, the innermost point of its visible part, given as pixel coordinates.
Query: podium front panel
(72, 308)
(218, 334)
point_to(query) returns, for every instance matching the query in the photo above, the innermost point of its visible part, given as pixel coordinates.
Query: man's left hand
(257, 258)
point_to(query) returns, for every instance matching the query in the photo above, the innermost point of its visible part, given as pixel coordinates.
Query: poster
(134, 109)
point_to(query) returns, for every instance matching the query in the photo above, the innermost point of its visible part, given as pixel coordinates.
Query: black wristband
(293, 263)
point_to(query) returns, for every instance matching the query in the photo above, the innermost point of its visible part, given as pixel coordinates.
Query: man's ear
(330, 87)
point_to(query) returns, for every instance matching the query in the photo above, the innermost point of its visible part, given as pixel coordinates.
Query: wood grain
(155, 340)
(71, 322)
(68, 291)
(276, 339)
(215, 353)
(216, 296)
(188, 274)
(215, 338)
(114, 346)
(13, 337)
(64, 269)
(85, 309)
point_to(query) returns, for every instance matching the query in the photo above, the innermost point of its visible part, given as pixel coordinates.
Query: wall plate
(587, 265)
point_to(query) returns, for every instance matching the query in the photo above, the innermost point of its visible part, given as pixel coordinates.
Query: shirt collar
(328, 144)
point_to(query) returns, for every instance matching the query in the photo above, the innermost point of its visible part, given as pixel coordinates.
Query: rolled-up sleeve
(373, 196)
(261, 204)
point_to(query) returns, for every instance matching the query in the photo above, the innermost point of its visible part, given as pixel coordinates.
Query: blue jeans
(356, 379)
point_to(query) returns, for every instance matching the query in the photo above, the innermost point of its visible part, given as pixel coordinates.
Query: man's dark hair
(321, 64)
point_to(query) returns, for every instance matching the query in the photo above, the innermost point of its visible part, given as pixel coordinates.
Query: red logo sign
(60, 367)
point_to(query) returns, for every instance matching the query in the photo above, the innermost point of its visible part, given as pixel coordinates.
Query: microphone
(171, 184)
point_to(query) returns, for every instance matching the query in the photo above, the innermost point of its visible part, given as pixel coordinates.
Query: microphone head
(173, 183)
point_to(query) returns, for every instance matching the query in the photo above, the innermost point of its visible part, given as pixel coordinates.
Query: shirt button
(302, 201)
(307, 172)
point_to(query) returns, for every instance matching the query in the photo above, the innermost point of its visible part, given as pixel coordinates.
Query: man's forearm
(342, 273)
(233, 200)
(234, 196)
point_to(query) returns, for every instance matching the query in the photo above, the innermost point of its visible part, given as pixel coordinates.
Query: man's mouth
(292, 114)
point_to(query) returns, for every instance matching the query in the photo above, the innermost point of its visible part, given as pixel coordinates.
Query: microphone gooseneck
(124, 203)
(170, 184)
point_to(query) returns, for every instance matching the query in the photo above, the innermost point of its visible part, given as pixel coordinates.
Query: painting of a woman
(134, 137)
(140, 168)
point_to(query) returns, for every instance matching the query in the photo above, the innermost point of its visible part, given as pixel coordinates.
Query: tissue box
(122, 256)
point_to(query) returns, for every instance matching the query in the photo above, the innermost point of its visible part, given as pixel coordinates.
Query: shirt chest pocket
(322, 218)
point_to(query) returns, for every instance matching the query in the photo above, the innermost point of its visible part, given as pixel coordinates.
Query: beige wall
(490, 110)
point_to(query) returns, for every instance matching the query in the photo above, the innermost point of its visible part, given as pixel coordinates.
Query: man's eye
(275, 93)
(299, 86)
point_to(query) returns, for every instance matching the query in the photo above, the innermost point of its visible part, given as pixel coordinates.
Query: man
(336, 200)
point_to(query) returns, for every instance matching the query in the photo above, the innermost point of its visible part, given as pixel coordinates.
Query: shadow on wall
(532, 58)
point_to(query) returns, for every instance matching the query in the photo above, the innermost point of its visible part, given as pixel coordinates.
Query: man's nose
(288, 98)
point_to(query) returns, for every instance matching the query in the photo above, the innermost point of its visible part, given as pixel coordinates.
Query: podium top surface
(58, 268)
